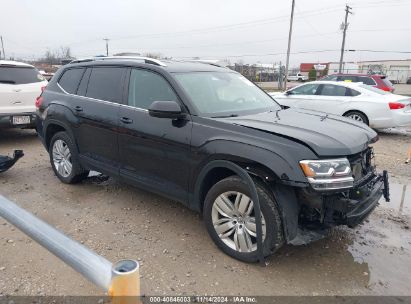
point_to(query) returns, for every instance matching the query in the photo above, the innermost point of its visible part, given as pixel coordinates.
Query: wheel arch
(359, 111)
(52, 127)
(284, 196)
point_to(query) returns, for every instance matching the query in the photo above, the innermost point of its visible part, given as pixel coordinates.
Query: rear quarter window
(19, 75)
(70, 80)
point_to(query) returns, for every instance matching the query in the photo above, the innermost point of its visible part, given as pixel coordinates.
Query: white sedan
(372, 106)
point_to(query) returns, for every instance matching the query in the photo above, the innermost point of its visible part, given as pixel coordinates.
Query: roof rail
(142, 58)
(207, 62)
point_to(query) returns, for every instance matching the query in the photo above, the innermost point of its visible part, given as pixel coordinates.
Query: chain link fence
(259, 73)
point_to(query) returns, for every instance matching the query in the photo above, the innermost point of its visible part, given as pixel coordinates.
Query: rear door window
(333, 90)
(106, 83)
(70, 80)
(19, 75)
(366, 80)
(351, 92)
(146, 87)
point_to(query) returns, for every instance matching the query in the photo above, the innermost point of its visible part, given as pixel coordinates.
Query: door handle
(16, 90)
(78, 108)
(126, 120)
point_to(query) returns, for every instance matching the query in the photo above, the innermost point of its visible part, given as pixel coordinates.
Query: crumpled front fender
(7, 162)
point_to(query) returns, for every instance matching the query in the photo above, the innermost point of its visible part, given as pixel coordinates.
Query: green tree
(312, 74)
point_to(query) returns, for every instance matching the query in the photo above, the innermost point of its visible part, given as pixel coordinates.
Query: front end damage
(7, 162)
(320, 210)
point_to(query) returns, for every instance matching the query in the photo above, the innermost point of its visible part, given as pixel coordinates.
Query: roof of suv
(169, 65)
(15, 63)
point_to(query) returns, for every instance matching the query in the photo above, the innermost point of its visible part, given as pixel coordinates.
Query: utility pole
(2, 48)
(289, 44)
(344, 26)
(107, 40)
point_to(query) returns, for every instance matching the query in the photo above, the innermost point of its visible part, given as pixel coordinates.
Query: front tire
(64, 159)
(230, 219)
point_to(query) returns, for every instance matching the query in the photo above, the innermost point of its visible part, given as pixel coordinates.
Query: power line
(379, 51)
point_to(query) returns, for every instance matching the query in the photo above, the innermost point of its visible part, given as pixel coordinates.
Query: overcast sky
(212, 29)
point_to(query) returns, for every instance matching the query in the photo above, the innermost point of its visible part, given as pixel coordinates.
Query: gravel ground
(176, 255)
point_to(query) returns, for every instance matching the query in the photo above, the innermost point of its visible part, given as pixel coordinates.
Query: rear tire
(64, 159)
(236, 231)
(357, 116)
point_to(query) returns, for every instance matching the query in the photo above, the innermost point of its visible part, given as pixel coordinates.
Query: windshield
(220, 94)
(374, 90)
(19, 75)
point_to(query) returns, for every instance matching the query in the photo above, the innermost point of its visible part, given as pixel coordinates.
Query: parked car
(188, 131)
(409, 80)
(374, 107)
(377, 81)
(297, 77)
(20, 84)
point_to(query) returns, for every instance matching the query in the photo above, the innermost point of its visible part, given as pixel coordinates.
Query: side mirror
(166, 109)
(288, 92)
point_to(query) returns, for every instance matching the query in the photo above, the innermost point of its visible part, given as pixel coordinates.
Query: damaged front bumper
(320, 212)
(7, 162)
(370, 196)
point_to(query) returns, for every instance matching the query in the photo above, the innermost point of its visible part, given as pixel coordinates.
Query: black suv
(207, 137)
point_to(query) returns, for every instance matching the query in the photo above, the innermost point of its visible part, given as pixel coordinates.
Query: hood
(325, 134)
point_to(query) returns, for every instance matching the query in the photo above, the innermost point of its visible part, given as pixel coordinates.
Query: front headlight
(328, 174)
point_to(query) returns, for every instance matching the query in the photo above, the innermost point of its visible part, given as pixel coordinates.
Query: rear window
(19, 75)
(373, 89)
(106, 84)
(70, 80)
(386, 81)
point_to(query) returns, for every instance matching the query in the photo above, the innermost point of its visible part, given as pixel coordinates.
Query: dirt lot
(176, 255)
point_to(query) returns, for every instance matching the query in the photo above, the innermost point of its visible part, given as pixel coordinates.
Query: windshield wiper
(7, 81)
(225, 116)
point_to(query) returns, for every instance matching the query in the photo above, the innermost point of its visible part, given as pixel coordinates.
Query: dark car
(409, 80)
(377, 81)
(196, 133)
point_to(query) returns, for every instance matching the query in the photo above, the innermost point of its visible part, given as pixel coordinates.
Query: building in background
(397, 71)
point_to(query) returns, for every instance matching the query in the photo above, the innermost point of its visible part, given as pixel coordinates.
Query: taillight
(39, 101)
(396, 105)
(387, 89)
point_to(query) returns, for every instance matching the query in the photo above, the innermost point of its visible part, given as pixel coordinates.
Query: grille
(361, 163)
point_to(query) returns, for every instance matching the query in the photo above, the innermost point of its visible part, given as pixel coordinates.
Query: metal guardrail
(121, 280)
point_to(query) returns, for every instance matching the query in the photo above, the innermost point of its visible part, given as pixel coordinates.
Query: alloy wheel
(356, 117)
(62, 158)
(233, 219)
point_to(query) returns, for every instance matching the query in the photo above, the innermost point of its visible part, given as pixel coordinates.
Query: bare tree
(153, 55)
(55, 56)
